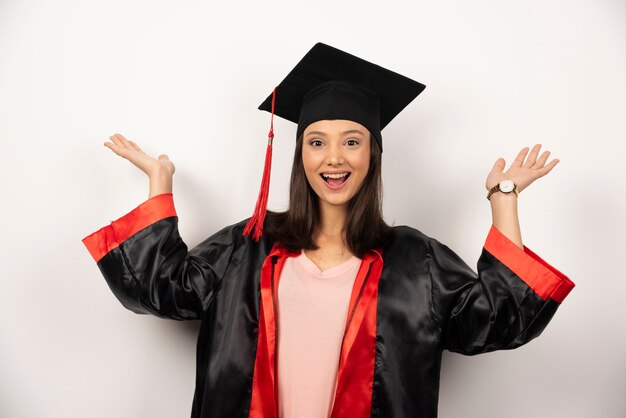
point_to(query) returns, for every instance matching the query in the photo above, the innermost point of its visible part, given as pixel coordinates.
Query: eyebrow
(352, 131)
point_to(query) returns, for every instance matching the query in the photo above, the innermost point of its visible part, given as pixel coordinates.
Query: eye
(353, 141)
(315, 141)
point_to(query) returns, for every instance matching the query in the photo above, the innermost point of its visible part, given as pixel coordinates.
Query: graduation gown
(411, 300)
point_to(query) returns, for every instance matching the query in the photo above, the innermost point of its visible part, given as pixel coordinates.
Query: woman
(276, 339)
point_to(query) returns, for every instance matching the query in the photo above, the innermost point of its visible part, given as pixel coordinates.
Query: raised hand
(151, 166)
(523, 173)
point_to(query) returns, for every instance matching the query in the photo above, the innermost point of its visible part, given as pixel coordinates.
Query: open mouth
(335, 180)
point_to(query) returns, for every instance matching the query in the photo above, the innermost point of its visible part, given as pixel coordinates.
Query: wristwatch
(505, 186)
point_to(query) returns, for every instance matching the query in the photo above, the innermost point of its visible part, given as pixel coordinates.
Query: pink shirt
(313, 308)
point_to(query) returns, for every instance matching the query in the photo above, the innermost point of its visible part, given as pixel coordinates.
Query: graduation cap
(326, 84)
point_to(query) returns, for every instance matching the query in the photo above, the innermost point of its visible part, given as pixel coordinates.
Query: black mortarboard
(329, 83)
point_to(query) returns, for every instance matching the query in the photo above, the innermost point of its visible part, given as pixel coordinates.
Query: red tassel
(258, 218)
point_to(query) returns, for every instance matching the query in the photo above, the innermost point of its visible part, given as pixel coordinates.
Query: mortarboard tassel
(257, 219)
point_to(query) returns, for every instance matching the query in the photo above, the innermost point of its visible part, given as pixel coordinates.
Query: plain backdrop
(186, 78)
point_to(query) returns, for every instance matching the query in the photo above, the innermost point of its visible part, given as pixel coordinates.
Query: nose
(334, 155)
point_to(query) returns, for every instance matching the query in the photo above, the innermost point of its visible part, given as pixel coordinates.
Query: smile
(335, 181)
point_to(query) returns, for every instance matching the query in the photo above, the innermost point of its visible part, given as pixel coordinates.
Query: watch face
(507, 185)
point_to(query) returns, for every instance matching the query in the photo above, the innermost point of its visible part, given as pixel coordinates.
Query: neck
(332, 222)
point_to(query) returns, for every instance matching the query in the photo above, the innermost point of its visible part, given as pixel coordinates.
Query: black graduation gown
(411, 300)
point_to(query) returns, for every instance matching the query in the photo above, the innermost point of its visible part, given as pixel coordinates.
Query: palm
(523, 173)
(127, 149)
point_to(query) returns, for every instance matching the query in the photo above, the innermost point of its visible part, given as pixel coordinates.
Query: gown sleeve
(148, 267)
(508, 303)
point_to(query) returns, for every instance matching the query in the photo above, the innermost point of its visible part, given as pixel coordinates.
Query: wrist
(160, 183)
(500, 198)
(505, 187)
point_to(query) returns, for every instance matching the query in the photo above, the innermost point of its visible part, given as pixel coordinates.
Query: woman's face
(336, 147)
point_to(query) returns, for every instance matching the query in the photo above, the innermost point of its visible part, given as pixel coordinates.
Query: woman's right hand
(153, 167)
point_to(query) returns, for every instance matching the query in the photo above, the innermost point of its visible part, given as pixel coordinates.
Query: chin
(336, 200)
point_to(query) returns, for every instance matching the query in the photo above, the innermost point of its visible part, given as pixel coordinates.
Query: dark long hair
(365, 226)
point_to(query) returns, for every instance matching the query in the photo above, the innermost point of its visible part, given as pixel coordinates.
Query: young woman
(330, 312)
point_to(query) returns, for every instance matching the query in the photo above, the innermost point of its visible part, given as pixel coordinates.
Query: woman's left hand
(522, 173)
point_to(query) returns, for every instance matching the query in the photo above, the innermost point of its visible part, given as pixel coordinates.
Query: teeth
(335, 176)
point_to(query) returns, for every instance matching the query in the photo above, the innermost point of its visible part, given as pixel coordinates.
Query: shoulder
(414, 238)
(230, 239)
(408, 235)
(406, 243)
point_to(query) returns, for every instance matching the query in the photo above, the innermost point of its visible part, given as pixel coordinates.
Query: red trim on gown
(541, 277)
(356, 366)
(101, 242)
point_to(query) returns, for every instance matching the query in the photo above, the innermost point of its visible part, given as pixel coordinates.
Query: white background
(186, 79)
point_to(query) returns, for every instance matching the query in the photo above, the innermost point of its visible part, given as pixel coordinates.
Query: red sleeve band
(540, 276)
(109, 237)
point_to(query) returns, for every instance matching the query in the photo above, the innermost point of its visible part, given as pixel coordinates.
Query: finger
(499, 165)
(114, 147)
(124, 140)
(116, 140)
(120, 141)
(118, 146)
(542, 160)
(545, 170)
(532, 157)
(135, 146)
(520, 157)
